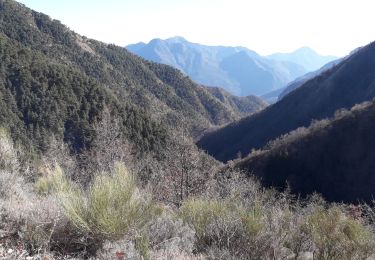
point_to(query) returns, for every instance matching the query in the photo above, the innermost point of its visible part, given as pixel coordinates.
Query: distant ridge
(305, 57)
(350, 82)
(239, 70)
(303, 79)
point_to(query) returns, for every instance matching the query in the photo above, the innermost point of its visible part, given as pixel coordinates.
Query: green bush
(224, 225)
(252, 221)
(335, 236)
(54, 181)
(109, 209)
(201, 213)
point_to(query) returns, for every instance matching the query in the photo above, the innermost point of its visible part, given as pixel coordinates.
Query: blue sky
(266, 26)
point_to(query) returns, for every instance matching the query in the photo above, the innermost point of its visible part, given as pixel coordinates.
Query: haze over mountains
(237, 69)
(275, 95)
(350, 82)
(303, 79)
(305, 57)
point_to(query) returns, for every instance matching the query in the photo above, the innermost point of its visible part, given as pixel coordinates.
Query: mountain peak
(305, 49)
(237, 69)
(176, 39)
(304, 56)
(300, 51)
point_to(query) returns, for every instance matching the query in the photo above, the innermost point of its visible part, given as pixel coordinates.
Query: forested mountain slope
(303, 79)
(56, 82)
(241, 105)
(350, 82)
(333, 157)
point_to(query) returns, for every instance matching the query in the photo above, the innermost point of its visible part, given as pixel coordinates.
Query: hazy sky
(266, 26)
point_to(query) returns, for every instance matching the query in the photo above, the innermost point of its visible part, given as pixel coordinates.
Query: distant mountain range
(237, 69)
(350, 82)
(305, 57)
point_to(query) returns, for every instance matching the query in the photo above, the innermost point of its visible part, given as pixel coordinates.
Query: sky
(331, 27)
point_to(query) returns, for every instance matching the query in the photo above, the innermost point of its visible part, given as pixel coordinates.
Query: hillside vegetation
(97, 161)
(350, 82)
(46, 214)
(242, 105)
(56, 82)
(332, 157)
(303, 79)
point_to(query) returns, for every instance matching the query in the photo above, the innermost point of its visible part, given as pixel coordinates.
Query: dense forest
(41, 99)
(98, 161)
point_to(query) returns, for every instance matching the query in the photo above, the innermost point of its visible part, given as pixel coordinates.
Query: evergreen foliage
(334, 157)
(54, 82)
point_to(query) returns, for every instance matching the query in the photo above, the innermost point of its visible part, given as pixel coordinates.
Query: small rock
(10, 251)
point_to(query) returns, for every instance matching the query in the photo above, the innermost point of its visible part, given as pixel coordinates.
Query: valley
(178, 150)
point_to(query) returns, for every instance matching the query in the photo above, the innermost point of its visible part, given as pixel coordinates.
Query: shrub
(22, 216)
(225, 226)
(252, 221)
(335, 236)
(201, 213)
(54, 181)
(168, 233)
(10, 180)
(110, 208)
(8, 154)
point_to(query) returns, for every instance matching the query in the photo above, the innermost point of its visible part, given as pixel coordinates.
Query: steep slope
(333, 157)
(239, 70)
(303, 79)
(305, 57)
(273, 96)
(241, 105)
(350, 82)
(56, 82)
(40, 99)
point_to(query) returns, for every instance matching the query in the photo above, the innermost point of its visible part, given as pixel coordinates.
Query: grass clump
(201, 213)
(54, 181)
(109, 209)
(252, 221)
(335, 236)
(222, 225)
